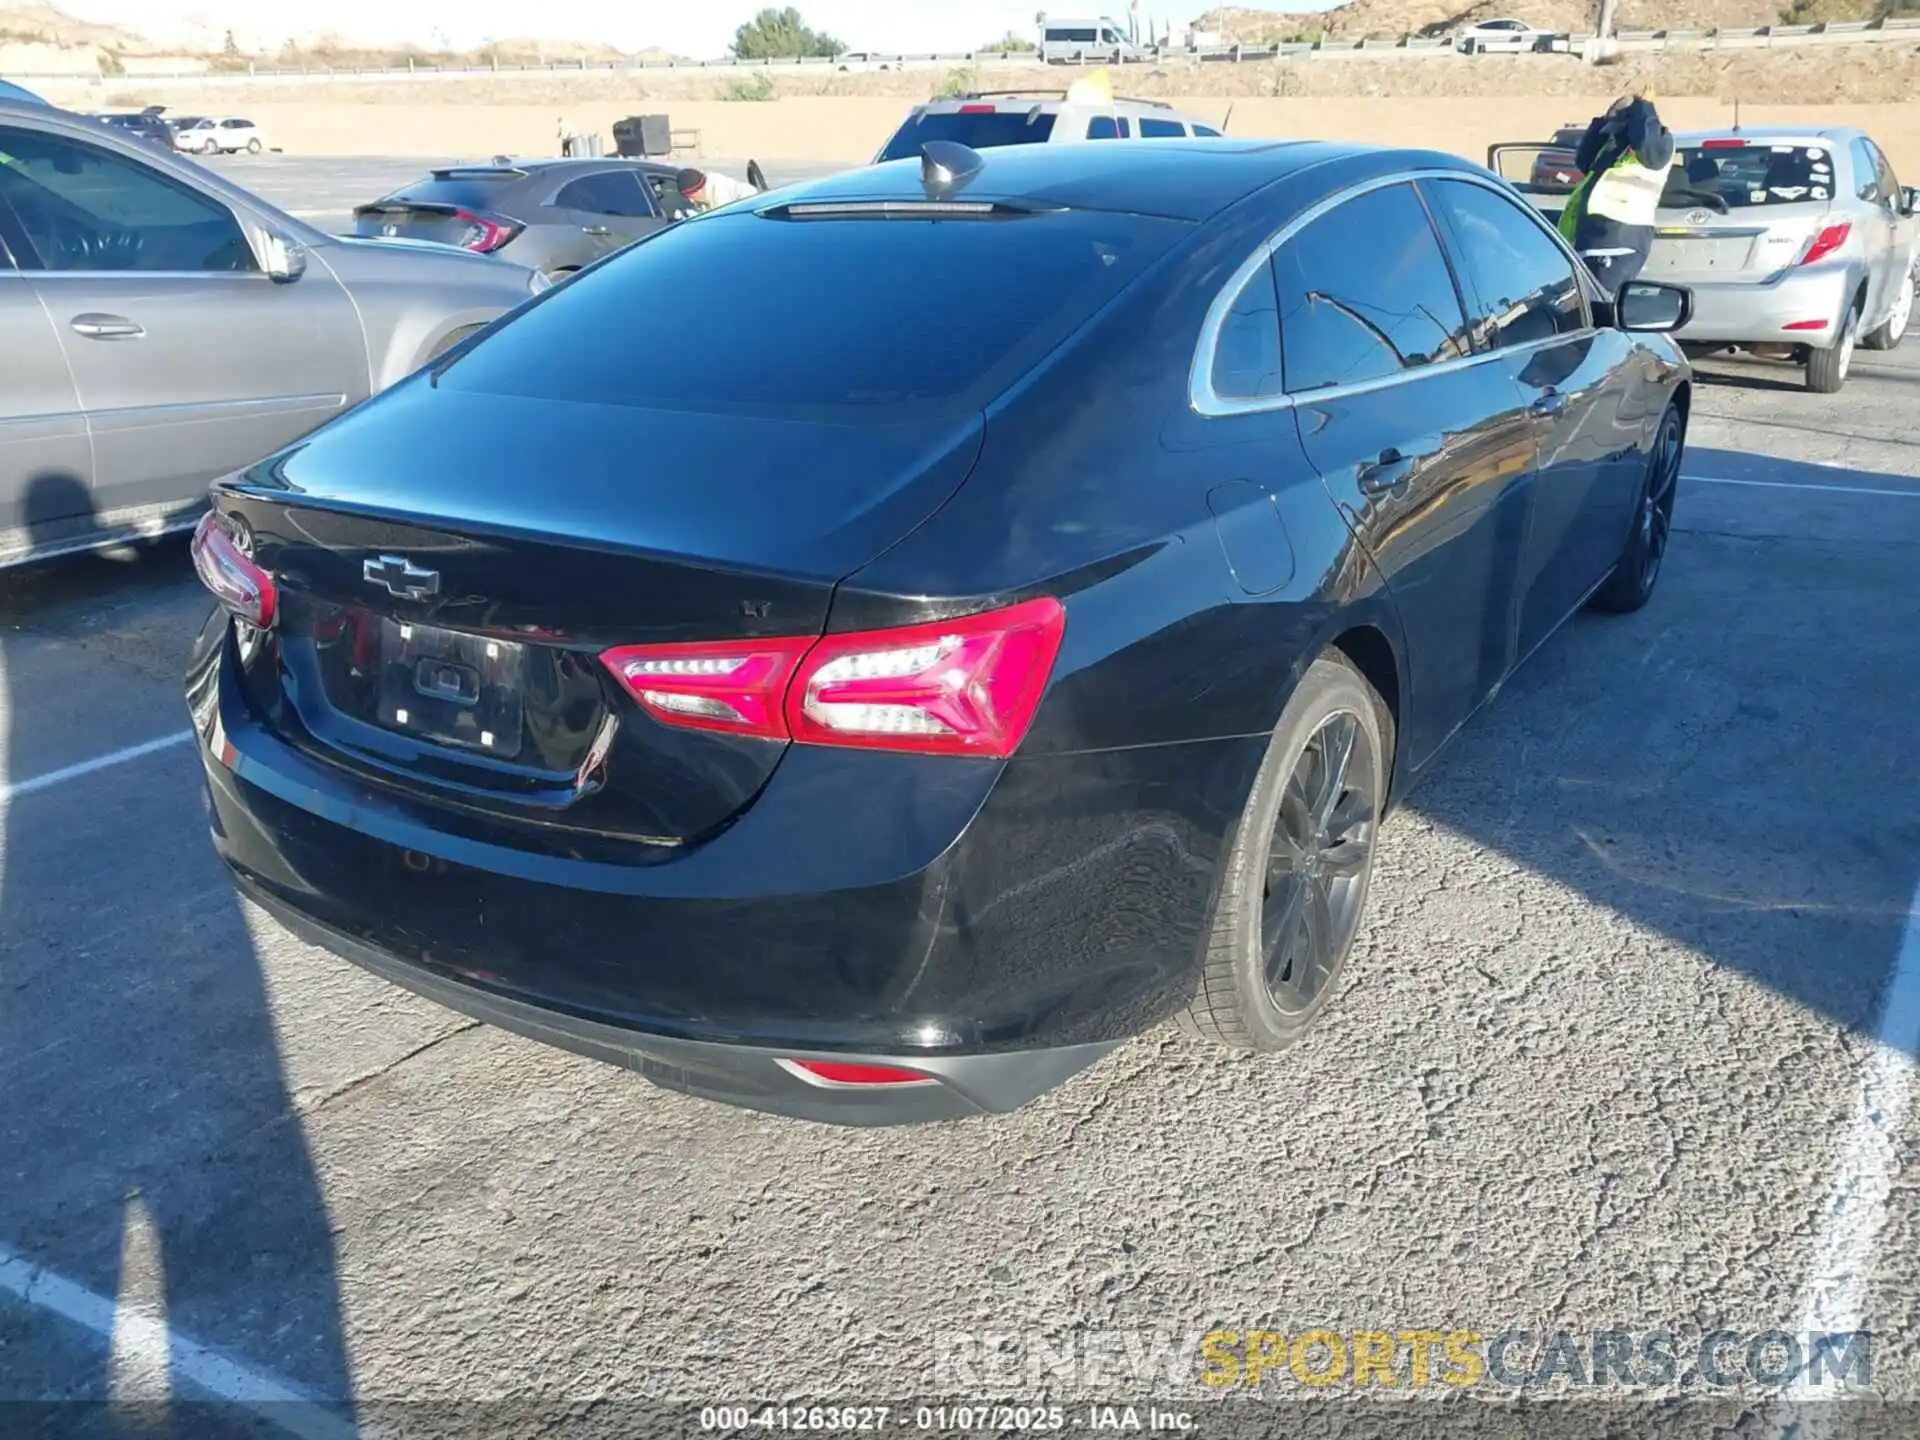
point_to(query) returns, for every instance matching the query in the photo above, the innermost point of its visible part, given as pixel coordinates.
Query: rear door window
(1109, 127)
(1365, 293)
(1520, 284)
(927, 315)
(611, 192)
(978, 129)
(1740, 175)
(1161, 129)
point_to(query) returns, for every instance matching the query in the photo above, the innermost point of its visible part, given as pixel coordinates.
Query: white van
(1100, 41)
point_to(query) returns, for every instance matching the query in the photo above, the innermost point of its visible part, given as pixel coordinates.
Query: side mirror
(282, 259)
(1909, 200)
(1649, 307)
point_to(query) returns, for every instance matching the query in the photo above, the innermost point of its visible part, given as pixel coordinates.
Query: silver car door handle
(595, 230)
(106, 327)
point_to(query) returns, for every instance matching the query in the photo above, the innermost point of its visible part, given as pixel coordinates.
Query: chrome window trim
(1206, 402)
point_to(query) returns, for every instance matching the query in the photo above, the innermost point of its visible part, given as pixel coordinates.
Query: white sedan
(220, 135)
(1503, 35)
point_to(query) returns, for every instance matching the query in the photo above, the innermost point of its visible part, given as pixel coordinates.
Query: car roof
(1186, 179)
(1049, 102)
(1774, 135)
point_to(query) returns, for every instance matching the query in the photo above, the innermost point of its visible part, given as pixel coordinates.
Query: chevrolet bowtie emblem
(401, 577)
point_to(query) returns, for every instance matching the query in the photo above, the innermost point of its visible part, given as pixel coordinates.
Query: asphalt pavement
(1628, 1040)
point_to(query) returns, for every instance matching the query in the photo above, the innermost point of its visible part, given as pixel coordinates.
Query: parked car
(987, 119)
(164, 327)
(1798, 243)
(18, 94)
(218, 135)
(1506, 35)
(552, 215)
(876, 711)
(146, 124)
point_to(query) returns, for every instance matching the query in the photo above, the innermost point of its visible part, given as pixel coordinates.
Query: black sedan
(997, 622)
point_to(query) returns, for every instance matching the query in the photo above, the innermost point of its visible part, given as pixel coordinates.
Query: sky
(697, 28)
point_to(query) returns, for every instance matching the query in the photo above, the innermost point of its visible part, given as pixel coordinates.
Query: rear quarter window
(759, 315)
(981, 130)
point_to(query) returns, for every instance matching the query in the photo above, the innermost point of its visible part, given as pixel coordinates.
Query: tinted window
(1161, 129)
(466, 192)
(1246, 360)
(1070, 37)
(1365, 293)
(1520, 284)
(981, 130)
(935, 314)
(86, 209)
(1206, 130)
(1889, 182)
(1107, 127)
(1742, 176)
(612, 192)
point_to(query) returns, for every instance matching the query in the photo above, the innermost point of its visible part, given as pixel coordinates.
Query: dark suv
(147, 125)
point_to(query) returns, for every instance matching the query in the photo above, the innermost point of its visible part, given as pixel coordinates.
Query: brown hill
(1437, 17)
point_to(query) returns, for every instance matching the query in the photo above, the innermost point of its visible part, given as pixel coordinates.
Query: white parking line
(1849, 1232)
(12, 791)
(1913, 494)
(285, 1406)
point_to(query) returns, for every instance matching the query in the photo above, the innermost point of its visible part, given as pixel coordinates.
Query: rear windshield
(980, 130)
(746, 313)
(1743, 176)
(466, 191)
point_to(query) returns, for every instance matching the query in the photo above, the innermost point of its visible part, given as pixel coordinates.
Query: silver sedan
(160, 327)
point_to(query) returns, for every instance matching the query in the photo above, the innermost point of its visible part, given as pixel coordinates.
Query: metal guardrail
(1838, 32)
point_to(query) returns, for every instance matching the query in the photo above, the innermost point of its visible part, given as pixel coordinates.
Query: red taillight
(1826, 242)
(841, 1072)
(733, 685)
(968, 686)
(483, 235)
(957, 687)
(1723, 144)
(225, 569)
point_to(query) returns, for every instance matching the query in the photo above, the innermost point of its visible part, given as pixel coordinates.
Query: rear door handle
(1550, 404)
(106, 327)
(1391, 471)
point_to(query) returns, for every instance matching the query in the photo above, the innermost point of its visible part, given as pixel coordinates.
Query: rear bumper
(1753, 312)
(995, 927)
(957, 1086)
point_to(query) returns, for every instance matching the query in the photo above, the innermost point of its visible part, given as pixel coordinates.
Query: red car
(1554, 168)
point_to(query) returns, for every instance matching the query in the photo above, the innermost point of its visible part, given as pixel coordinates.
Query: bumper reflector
(840, 1074)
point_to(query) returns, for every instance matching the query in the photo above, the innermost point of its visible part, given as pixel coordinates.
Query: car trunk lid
(441, 618)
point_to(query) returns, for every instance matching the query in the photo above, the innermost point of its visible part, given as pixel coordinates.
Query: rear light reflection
(1826, 242)
(1805, 325)
(844, 1073)
(968, 686)
(241, 586)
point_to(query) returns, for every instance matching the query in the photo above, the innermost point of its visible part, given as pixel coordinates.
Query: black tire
(1637, 570)
(253, 146)
(1888, 334)
(1827, 369)
(1257, 989)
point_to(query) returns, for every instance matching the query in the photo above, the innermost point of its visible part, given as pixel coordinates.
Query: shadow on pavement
(149, 1148)
(1732, 766)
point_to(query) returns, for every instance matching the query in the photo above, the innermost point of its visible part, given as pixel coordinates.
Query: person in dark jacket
(1625, 156)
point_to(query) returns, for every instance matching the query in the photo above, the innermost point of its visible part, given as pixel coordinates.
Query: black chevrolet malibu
(864, 655)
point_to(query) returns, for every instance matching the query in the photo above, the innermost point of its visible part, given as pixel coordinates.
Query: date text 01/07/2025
(993, 1419)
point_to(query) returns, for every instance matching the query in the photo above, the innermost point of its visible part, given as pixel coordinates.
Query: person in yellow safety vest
(1625, 154)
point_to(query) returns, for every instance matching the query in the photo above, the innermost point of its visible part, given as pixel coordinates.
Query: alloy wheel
(1318, 861)
(1902, 309)
(1656, 505)
(1848, 339)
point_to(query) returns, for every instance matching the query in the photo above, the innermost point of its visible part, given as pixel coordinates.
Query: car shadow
(1731, 766)
(150, 1149)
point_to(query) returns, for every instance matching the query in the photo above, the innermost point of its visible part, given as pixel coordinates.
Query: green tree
(1009, 43)
(782, 35)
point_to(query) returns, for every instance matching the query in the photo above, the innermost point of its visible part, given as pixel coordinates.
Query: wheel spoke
(1320, 938)
(1346, 859)
(1280, 931)
(1336, 748)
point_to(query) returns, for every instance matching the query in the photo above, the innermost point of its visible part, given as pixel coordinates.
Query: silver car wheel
(1847, 341)
(1902, 309)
